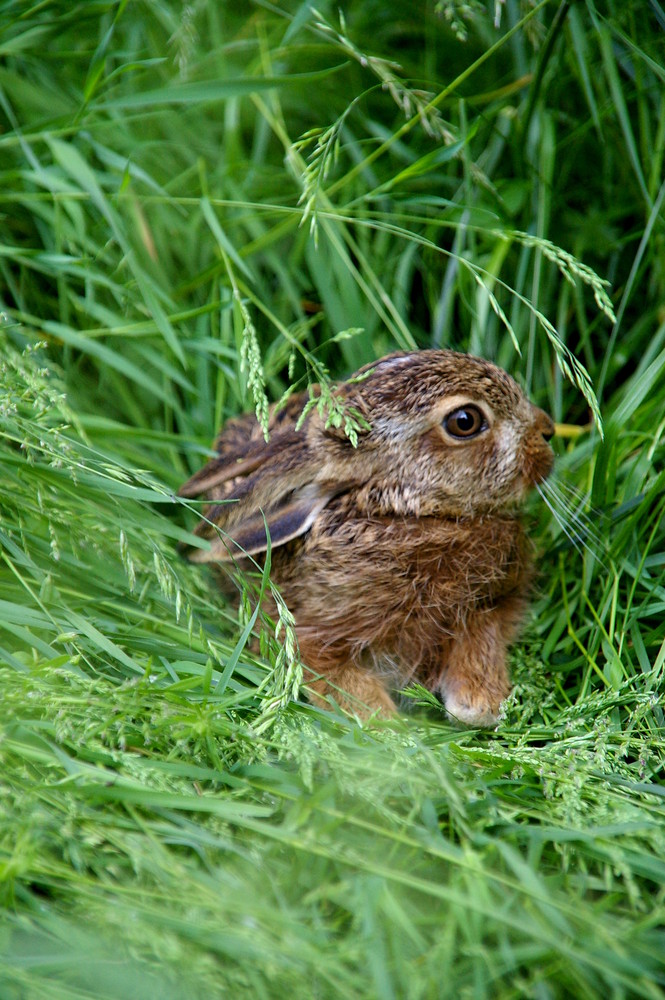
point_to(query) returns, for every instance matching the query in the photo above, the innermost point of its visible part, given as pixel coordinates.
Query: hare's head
(450, 435)
(442, 434)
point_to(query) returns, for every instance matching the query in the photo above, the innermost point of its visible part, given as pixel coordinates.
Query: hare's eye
(465, 422)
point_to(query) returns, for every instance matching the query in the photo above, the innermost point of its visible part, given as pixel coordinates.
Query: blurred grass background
(202, 204)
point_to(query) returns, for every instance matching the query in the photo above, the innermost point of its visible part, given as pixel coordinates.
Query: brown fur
(403, 559)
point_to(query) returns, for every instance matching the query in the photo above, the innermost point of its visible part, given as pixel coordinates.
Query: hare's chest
(402, 574)
(467, 564)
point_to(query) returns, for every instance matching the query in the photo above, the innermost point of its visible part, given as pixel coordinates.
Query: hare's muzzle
(538, 455)
(544, 424)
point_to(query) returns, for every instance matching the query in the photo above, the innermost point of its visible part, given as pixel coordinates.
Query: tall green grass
(200, 206)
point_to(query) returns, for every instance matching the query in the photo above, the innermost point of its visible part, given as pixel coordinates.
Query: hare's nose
(545, 424)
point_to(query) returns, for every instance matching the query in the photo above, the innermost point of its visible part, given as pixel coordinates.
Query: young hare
(402, 559)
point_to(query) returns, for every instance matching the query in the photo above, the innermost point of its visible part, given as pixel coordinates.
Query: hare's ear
(247, 535)
(242, 449)
(217, 476)
(259, 489)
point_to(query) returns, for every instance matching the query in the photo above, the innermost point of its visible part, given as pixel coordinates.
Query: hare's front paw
(475, 680)
(473, 704)
(472, 713)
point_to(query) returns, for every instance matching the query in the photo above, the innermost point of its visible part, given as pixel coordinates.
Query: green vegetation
(200, 205)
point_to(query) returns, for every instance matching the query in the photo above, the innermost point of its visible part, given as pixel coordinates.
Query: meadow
(203, 205)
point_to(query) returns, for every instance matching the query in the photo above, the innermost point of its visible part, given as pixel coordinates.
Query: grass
(201, 205)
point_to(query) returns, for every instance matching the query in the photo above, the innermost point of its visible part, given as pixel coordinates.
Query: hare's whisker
(567, 503)
(575, 538)
(557, 517)
(577, 522)
(577, 516)
(582, 496)
(573, 513)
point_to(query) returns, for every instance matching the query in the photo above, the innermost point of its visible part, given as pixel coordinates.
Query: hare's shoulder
(419, 560)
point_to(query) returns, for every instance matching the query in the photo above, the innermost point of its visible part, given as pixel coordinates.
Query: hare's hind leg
(356, 690)
(357, 693)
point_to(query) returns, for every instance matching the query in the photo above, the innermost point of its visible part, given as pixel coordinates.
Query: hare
(402, 559)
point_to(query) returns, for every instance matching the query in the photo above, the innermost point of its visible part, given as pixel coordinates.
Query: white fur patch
(507, 446)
